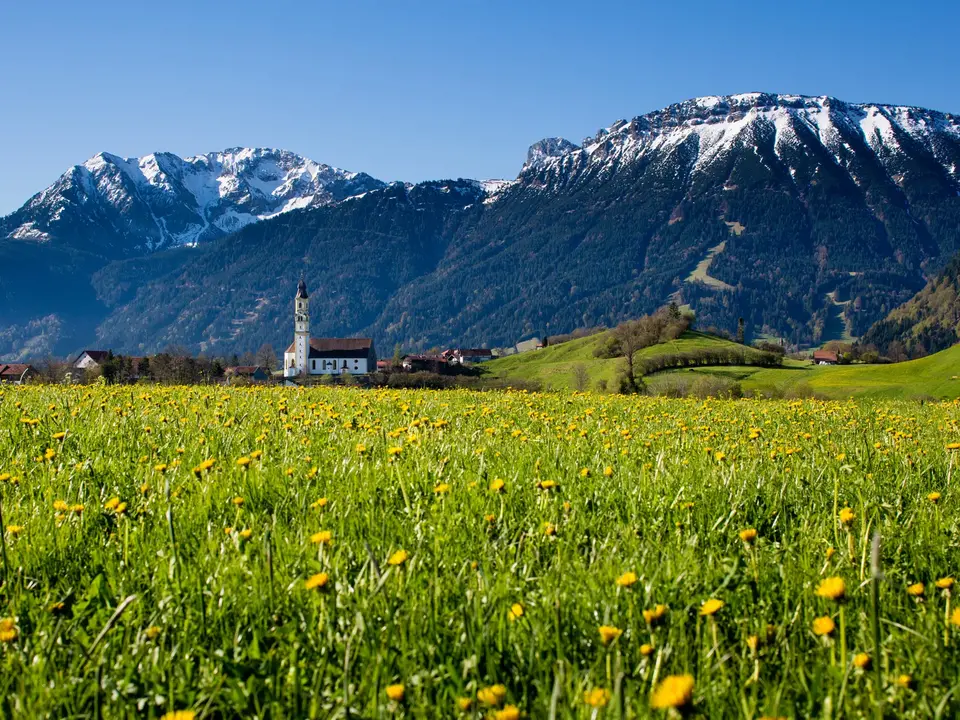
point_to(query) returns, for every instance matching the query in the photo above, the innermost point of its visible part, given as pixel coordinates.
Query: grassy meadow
(338, 552)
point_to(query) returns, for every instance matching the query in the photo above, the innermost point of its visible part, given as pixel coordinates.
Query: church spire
(302, 289)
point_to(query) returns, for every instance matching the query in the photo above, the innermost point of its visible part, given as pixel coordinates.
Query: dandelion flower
(711, 606)
(464, 703)
(674, 692)
(832, 588)
(955, 617)
(916, 590)
(14, 530)
(748, 535)
(315, 582)
(598, 697)
(945, 583)
(442, 488)
(509, 712)
(243, 462)
(655, 615)
(398, 558)
(824, 625)
(152, 632)
(515, 612)
(324, 537)
(609, 633)
(179, 715)
(8, 630)
(861, 661)
(847, 516)
(497, 485)
(607, 471)
(492, 695)
(627, 579)
(905, 681)
(395, 692)
(646, 649)
(934, 497)
(319, 504)
(238, 501)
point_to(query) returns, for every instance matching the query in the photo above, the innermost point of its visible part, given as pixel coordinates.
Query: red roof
(826, 355)
(337, 345)
(475, 352)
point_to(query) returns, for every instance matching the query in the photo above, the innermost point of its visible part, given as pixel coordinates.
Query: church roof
(302, 289)
(337, 347)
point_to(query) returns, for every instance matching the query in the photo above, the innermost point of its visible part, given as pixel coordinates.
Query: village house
(467, 356)
(324, 356)
(16, 373)
(421, 363)
(90, 359)
(825, 357)
(250, 373)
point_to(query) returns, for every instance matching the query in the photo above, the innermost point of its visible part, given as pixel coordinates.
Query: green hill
(935, 376)
(555, 366)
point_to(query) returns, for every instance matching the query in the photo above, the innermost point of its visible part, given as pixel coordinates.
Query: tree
(629, 337)
(397, 356)
(581, 378)
(267, 357)
(740, 331)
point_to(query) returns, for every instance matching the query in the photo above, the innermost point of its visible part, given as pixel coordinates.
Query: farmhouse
(468, 355)
(252, 373)
(825, 357)
(90, 359)
(324, 356)
(15, 372)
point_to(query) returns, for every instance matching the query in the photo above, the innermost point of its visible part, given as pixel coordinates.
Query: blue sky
(421, 90)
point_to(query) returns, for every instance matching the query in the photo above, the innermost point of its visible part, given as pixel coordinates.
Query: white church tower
(301, 328)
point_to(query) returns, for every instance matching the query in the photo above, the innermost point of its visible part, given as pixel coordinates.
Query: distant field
(933, 376)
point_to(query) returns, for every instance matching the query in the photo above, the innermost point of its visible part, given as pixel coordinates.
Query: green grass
(193, 594)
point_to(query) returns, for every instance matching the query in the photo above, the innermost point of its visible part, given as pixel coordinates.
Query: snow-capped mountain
(122, 206)
(695, 135)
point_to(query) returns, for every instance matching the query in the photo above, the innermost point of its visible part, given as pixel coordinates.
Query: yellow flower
(179, 715)
(832, 588)
(208, 463)
(152, 632)
(609, 633)
(711, 606)
(675, 691)
(547, 484)
(830, 553)
(748, 535)
(361, 448)
(464, 703)
(627, 579)
(905, 681)
(59, 436)
(238, 501)
(492, 695)
(607, 471)
(324, 537)
(8, 630)
(824, 625)
(934, 497)
(953, 446)
(14, 530)
(246, 533)
(847, 516)
(393, 452)
(753, 642)
(549, 529)
(655, 615)
(398, 558)
(243, 462)
(395, 692)
(318, 504)
(515, 612)
(497, 485)
(509, 712)
(50, 454)
(315, 582)
(442, 488)
(916, 589)
(256, 454)
(646, 649)
(955, 617)
(160, 468)
(585, 472)
(598, 697)
(861, 661)
(945, 583)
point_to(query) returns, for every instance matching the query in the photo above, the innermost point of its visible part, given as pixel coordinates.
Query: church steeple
(301, 328)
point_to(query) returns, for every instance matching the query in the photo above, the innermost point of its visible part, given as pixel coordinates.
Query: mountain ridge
(809, 209)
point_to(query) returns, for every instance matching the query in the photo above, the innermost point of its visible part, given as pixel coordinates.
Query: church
(323, 356)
